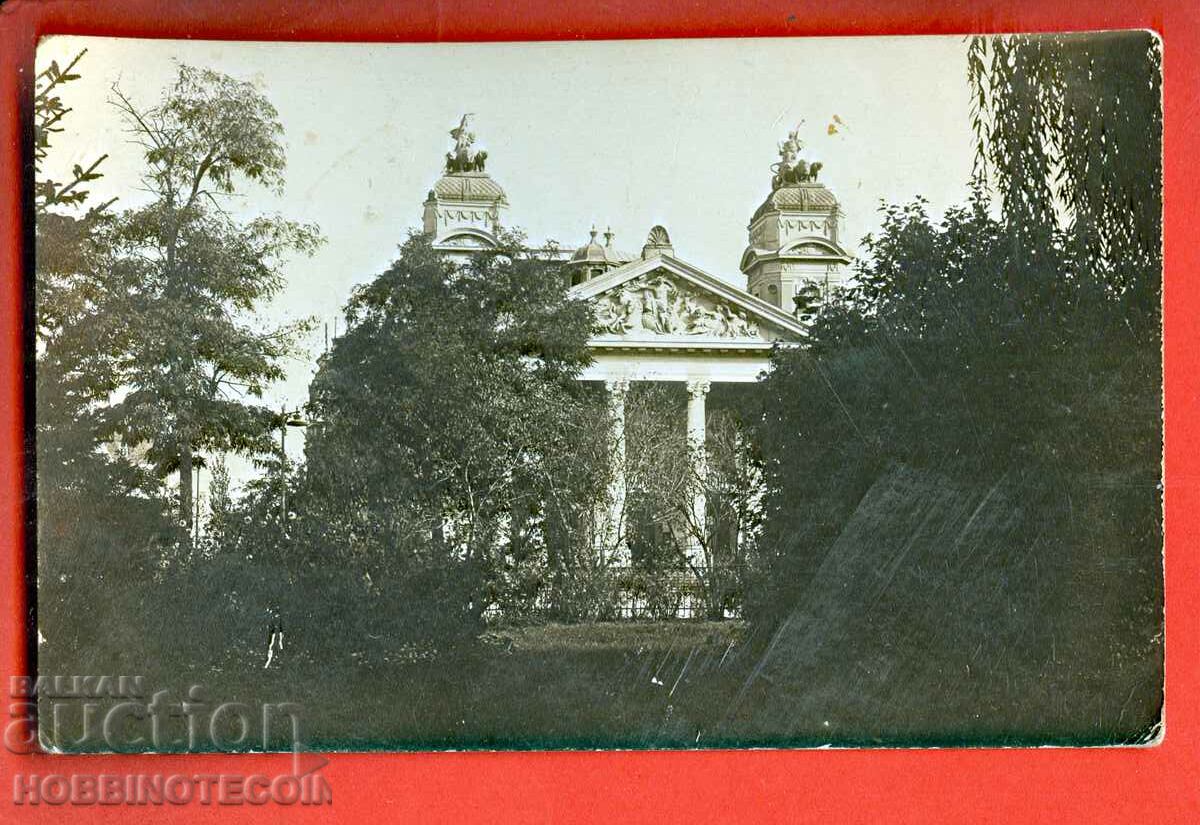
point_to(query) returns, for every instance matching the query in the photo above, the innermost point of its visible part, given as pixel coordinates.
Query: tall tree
(197, 357)
(442, 406)
(100, 515)
(1069, 130)
(1011, 353)
(72, 299)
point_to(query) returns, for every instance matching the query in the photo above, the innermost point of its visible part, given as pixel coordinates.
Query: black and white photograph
(661, 394)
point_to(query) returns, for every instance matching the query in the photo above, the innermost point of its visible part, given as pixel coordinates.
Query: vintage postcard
(648, 394)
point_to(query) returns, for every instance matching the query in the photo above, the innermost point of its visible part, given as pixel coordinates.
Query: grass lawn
(633, 685)
(590, 638)
(548, 686)
(624, 685)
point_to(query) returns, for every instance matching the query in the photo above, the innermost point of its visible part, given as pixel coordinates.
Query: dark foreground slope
(950, 612)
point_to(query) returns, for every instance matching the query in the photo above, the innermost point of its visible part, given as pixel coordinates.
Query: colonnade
(610, 534)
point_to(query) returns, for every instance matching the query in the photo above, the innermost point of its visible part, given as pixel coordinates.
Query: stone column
(611, 532)
(697, 391)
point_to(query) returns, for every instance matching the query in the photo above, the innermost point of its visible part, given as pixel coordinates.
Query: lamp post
(286, 419)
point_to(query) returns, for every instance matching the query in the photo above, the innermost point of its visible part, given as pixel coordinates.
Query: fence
(633, 593)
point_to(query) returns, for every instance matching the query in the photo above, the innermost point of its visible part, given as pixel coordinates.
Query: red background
(1148, 784)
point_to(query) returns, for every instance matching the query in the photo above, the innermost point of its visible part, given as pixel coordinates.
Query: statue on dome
(789, 150)
(462, 159)
(791, 168)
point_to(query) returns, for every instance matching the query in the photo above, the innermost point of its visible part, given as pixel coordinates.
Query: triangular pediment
(663, 299)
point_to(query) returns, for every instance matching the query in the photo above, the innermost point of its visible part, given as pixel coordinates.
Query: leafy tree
(100, 516)
(196, 356)
(440, 411)
(555, 565)
(222, 510)
(983, 347)
(149, 350)
(49, 114)
(70, 289)
(1069, 130)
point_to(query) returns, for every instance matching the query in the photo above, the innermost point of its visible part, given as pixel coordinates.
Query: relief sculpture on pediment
(658, 306)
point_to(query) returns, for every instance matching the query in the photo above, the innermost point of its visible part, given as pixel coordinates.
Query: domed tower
(463, 209)
(592, 260)
(794, 256)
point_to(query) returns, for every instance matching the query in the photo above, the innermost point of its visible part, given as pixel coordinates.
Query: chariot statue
(462, 159)
(791, 168)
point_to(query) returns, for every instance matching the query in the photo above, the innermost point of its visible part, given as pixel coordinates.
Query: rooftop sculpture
(791, 169)
(462, 159)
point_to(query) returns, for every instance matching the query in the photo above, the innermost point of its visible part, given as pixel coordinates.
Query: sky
(626, 134)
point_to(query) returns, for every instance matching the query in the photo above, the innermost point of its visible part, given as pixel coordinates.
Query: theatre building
(660, 318)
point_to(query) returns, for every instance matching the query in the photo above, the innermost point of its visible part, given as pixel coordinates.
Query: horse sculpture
(799, 172)
(462, 159)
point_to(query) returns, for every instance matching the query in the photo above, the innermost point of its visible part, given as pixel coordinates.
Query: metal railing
(633, 592)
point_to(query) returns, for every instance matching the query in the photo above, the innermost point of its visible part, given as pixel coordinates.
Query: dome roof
(593, 253)
(804, 197)
(590, 252)
(468, 186)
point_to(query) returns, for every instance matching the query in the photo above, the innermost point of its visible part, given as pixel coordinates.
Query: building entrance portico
(660, 319)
